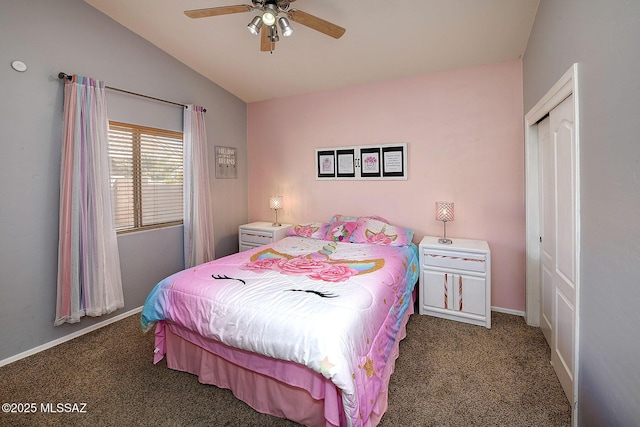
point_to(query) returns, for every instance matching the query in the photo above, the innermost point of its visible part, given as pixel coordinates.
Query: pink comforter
(333, 307)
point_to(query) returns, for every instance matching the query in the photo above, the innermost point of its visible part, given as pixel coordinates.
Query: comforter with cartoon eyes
(333, 307)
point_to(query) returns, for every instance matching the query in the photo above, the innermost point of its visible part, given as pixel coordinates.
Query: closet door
(559, 239)
(547, 236)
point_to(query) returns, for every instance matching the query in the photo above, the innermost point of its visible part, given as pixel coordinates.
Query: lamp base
(443, 240)
(276, 224)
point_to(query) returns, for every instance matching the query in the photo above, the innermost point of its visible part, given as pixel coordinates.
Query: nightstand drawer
(252, 236)
(458, 261)
(260, 233)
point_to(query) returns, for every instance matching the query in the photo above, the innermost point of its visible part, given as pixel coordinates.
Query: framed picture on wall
(346, 163)
(384, 162)
(226, 162)
(370, 162)
(393, 161)
(326, 164)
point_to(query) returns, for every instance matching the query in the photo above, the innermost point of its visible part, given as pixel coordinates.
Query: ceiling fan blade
(266, 45)
(316, 23)
(215, 11)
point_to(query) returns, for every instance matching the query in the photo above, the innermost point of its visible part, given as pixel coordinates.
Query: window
(146, 176)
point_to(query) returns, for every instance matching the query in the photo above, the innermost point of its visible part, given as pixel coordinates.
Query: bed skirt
(280, 388)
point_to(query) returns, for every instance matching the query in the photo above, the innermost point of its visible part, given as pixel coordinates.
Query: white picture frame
(364, 162)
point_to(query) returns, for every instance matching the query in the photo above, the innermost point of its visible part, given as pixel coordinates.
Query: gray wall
(71, 36)
(603, 38)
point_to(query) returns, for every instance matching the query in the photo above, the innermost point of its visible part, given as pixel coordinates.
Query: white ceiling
(385, 40)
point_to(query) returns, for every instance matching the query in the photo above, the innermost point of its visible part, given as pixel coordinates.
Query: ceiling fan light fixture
(276, 16)
(255, 25)
(270, 14)
(286, 28)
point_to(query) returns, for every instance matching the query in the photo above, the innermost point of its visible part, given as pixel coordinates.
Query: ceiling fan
(272, 14)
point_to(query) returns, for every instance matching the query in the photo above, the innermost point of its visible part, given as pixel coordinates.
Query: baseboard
(69, 337)
(508, 311)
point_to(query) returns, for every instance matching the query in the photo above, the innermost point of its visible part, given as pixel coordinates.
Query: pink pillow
(312, 230)
(373, 231)
(341, 231)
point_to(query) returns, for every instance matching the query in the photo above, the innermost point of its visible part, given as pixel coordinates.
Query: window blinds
(146, 176)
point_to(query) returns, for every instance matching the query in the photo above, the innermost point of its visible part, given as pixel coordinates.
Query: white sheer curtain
(198, 221)
(89, 279)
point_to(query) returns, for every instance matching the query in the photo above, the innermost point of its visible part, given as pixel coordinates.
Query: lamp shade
(275, 202)
(270, 14)
(255, 25)
(286, 28)
(444, 211)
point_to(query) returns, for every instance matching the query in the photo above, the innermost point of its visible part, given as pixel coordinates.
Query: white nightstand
(455, 280)
(260, 233)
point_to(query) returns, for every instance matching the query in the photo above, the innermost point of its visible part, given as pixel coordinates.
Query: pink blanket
(333, 307)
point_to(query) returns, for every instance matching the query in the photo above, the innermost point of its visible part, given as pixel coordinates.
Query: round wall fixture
(19, 66)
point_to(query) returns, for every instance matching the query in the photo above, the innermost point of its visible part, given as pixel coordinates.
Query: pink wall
(464, 132)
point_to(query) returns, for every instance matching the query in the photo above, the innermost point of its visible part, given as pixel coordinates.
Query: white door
(547, 196)
(558, 158)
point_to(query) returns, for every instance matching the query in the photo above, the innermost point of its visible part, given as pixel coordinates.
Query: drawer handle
(455, 257)
(446, 292)
(255, 235)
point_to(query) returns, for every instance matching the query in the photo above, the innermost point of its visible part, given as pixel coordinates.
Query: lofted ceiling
(385, 40)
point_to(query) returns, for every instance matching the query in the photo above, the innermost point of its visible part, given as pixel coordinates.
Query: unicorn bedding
(322, 301)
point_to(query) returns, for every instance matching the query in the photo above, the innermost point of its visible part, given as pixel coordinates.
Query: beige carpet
(448, 374)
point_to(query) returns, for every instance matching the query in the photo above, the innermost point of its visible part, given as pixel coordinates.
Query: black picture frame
(345, 160)
(364, 162)
(370, 162)
(393, 161)
(326, 164)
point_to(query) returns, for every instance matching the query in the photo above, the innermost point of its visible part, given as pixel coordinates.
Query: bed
(306, 328)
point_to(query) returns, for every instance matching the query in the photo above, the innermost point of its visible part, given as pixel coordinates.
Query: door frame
(566, 86)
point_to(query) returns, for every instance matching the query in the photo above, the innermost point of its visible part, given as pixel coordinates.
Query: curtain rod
(62, 76)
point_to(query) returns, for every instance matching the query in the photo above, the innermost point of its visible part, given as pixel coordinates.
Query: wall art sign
(375, 162)
(226, 162)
